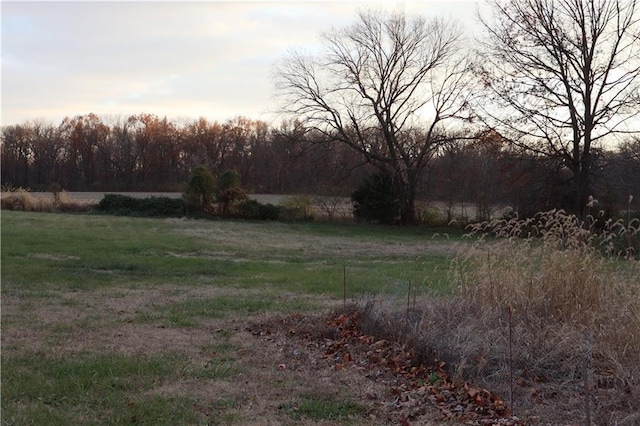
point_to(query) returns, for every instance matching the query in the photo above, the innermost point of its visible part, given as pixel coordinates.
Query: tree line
(148, 153)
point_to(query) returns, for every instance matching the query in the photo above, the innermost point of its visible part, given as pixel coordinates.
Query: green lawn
(80, 252)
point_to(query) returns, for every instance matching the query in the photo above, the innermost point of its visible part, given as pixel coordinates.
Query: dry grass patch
(569, 314)
(57, 201)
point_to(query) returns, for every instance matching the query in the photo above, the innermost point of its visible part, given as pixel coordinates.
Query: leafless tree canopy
(384, 86)
(562, 75)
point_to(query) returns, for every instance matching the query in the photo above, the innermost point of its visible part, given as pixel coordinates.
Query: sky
(179, 59)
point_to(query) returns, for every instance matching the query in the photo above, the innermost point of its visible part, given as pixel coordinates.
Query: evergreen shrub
(124, 205)
(252, 209)
(376, 200)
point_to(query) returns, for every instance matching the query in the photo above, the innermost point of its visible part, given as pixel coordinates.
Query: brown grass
(24, 200)
(556, 272)
(269, 372)
(541, 317)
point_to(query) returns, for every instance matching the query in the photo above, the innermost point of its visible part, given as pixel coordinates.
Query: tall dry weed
(574, 298)
(550, 265)
(25, 200)
(20, 199)
(542, 314)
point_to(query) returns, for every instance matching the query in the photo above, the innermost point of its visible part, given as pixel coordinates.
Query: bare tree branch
(561, 75)
(384, 86)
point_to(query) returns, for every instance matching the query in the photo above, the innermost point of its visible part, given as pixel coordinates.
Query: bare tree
(562, 77)
(385, 86)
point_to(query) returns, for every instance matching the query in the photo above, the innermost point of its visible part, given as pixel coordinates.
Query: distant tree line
(148, 153)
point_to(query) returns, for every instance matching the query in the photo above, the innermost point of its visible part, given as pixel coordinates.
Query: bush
(290, 209)
(376, 200)
(296, 208)
(229, 193)
(332, 207)
(432, 216)
(154, 206)
(269, 212)
(252, 209)
(199, 192)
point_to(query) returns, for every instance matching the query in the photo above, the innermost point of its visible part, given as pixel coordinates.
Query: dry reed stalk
(25, 200)
(552, 272)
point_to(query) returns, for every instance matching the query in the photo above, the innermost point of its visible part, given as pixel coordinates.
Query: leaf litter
(413, 387)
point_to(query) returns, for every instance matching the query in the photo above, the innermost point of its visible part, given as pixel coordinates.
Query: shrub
(333, 207)
(229, 193)
(296, 208)
(154, 206)
(254, 210)
(199, 192)
(250, 209)
(432, 216)
(376, 200)
(269, 212)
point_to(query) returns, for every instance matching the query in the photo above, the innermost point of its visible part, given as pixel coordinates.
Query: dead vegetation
(546, 315)
(543, 328)
(55, 201)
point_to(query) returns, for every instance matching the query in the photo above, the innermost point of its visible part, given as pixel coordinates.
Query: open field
(115, 320)
(118, 320)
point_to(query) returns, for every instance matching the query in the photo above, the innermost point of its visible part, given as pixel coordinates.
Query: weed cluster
(543, 313)
(573, 305)
(25, 200)
(551, 265)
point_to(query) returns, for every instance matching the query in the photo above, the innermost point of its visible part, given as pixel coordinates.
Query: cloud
(210, 59)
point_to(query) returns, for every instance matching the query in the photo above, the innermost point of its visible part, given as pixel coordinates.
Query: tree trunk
(407, 211)
(407, 193)
(583, 184)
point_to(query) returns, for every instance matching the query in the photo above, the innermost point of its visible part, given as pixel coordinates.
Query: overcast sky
(182, 60)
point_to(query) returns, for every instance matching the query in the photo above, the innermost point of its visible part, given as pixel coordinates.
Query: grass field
(115, 320)
(118, 320)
